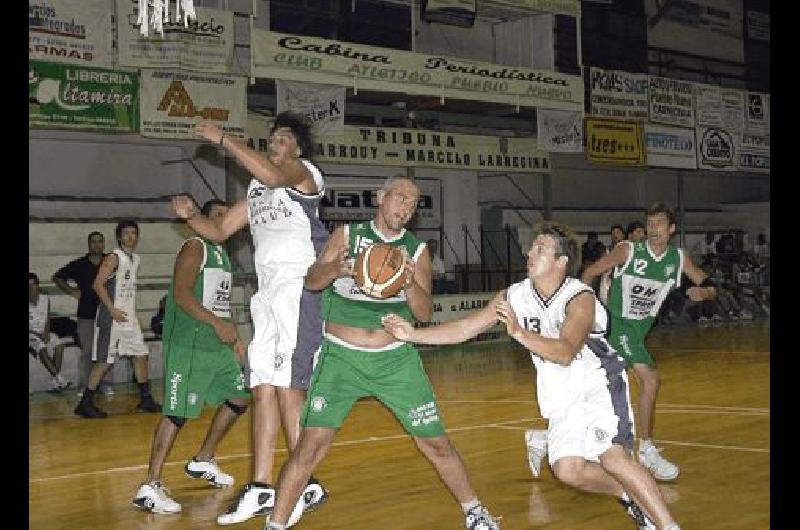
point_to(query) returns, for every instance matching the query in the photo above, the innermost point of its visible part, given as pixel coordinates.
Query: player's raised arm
(618, 256)
(452, 332)
(232, 220)
(561, 350)
(331, 263)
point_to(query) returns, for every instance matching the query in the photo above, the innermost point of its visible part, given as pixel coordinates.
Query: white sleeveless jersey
(37, 314)
(557, 386)
(285, 225)
(121, 287)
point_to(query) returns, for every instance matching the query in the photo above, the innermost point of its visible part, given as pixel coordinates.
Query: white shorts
(287, 334)
(601, 417)
(117, 341)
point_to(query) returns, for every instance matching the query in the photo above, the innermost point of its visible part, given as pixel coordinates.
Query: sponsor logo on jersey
(192, 398)
(318, 403)
(668, 270)
(174, 381)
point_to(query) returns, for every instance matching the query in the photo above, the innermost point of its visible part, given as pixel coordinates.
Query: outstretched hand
(208, 131)
(397, 327)
(184, 206)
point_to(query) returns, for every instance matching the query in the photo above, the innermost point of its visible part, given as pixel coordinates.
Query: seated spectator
(441, 283)
(702, 249)
(636, 231)
(42, 343)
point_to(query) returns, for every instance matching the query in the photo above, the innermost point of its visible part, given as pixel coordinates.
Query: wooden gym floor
(713, 419)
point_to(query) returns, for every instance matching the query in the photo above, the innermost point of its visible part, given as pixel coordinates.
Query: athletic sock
(276, 526)
(624, 496)
(467, 506)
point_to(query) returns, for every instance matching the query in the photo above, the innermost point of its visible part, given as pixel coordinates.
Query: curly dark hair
(128, 223)
(301, 130)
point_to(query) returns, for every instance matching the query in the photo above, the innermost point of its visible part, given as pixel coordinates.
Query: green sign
(66, 96)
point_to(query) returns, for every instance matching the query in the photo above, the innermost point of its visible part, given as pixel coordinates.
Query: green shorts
(194, 378)
(395, 377)
(628, 340)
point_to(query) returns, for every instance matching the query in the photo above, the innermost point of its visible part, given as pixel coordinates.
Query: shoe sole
(153, 510)
(191, 474)
(262, 512)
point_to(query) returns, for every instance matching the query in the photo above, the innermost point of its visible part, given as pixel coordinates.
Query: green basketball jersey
(641, 284)
(343, 302)
(212, 288)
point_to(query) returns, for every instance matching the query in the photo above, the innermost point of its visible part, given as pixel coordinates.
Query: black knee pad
(238, 409)
(177, 421)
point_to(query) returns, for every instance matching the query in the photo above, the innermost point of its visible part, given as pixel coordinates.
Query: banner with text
(716, 149)
(415, 148)
(321, 105)
(66, 31)
(754, 152)
(559, 131)
(732, 109)
(173, 102)
(617, 94)
(757, 112)
(79, 97)
(556, 7)
(317, 60)
(205, 46)
(670, 146)
(671, 101)
(355, 198)
(447, 307)
(614, 142)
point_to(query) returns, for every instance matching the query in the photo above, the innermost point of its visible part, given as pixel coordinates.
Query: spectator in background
(617, 235)
(441, 283)
(703, 249)
(42, 344)
(635, 231)
(82, 271)
(761, 248)
(591, 251)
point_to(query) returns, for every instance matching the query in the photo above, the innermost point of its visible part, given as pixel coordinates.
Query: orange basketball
(379, 271)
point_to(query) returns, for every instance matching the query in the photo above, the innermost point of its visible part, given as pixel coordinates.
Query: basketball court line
(509, 424)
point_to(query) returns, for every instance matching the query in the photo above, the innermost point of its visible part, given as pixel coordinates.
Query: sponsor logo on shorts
(600, 434)
(192, 398)
(423, 414)
(623, 341)
(239, 381)
(280, 358)
(174, 381)
(318, 403)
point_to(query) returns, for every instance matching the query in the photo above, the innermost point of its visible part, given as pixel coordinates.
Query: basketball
(379, 270)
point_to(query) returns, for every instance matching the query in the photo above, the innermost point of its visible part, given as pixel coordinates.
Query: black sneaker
(635, 512)
(314, 495)
(87, 409)
(148, 404)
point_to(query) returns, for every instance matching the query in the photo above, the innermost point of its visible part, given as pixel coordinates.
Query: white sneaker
(716, 318)
(637, 514)
(536, 441)
(660, 467)
(253, 500)
(746, 315)
(154, 497)
(209, 471)
(314, 495)
(479, 518)
(703, 320)
(54, 386)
